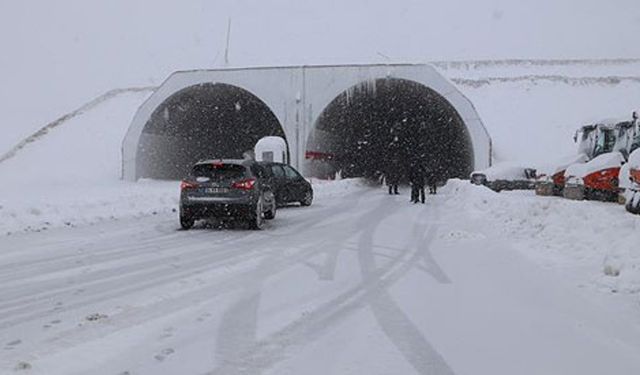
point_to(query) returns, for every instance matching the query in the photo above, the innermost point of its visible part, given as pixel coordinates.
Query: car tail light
(244, 184)
(186, 185)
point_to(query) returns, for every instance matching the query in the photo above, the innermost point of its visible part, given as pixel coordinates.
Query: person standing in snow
(392, 178)
(417, 175)
(393, 174)
(432, 180)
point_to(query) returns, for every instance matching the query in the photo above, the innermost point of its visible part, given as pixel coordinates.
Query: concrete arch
(389, 124)
(208, 120)
(352, 77)
(297, 96)
(181, 82)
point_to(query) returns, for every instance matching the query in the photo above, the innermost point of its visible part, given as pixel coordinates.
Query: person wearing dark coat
(417, 176)
(432, 180)
(392, 178)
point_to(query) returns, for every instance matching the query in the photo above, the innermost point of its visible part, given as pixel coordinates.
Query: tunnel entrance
(389, 124)
(210, 120)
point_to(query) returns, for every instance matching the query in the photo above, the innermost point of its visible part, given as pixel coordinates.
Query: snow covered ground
(96, 278)
(473, 282)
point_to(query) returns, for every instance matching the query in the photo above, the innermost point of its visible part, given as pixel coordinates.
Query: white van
(272, 149)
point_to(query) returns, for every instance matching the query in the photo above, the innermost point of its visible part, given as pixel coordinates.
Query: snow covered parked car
(505, 176)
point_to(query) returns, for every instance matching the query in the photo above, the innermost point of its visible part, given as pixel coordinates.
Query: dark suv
(225, 189)
(288, 185)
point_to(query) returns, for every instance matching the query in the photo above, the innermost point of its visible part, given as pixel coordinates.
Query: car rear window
(219, 171)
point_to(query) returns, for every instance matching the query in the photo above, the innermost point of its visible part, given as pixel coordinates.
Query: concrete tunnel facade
(352, 118)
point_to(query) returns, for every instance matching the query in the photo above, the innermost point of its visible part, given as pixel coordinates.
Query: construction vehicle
(593, 140)
(632, 194)
(599, 178)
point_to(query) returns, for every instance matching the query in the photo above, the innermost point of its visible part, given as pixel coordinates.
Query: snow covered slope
(532, 108)
(70, 173)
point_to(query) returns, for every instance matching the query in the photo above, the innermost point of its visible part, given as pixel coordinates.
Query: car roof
(243, 162)
(269, 163)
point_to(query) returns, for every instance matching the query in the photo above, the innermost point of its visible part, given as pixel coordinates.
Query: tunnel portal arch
(208, 120)
(294, 97)
(389, 124)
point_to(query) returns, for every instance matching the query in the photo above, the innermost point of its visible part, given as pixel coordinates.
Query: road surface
(363, 283)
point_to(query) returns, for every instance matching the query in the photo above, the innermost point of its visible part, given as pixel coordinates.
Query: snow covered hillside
(532, 108)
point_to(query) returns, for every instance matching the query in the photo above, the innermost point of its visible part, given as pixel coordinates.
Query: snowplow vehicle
(599, 178)
(632, 195)
(592, 140)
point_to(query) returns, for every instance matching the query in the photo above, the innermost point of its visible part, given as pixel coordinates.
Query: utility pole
(226, 50)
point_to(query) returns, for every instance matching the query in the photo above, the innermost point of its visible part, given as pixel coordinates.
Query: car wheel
(256, 218)
(633, 205)
(271, 214)
(186, 222)
(308, 198)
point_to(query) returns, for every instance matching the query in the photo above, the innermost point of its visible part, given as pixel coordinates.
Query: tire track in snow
(111, 279)
(140, 279)
(252, 357)
(265, 353)
(205, 293)
(396, 325)
(238, 327)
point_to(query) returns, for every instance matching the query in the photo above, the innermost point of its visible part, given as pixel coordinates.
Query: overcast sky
(57, 54)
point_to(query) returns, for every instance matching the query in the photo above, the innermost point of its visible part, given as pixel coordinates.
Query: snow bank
(70, 175)
(597, 243)
(41, 208)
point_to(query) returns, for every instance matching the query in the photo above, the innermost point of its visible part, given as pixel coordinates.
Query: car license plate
(216, 190)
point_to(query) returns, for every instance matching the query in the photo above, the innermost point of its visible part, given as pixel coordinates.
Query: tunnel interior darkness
(202, 122)
(393, 124)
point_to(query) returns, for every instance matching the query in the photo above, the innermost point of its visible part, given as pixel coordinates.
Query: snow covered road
(361, 283)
